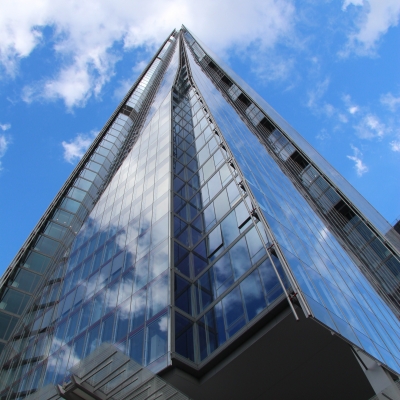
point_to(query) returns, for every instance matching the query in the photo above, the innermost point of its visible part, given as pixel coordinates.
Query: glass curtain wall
(113, 286)
(224, 278)
(117, 277)
(336, 292)
(52, 237)
(197, 233)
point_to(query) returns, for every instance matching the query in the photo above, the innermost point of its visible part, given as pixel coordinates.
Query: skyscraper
(211, 244)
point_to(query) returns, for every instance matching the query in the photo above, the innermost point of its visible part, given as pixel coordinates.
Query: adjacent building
(211, 244)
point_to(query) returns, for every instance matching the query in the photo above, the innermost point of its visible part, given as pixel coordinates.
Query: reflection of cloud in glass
(125, 290)
(165, 85)
(159, 259)
(233, 307)
(240, 258)
(64, 359)
(163, 323)
(222, 269)
(157, 296)
(143, 178)
(120, 240)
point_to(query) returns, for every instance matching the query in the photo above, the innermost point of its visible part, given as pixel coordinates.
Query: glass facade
(52, 237)
(192, 228)
(337, 293)
(223, 275)
(116, 282)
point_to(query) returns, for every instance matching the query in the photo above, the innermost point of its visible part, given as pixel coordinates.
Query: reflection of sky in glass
(74, 203)
(165, 85)
(116, 285)
(121, 249)
(337, 292)
(361, 203)
(216, 242)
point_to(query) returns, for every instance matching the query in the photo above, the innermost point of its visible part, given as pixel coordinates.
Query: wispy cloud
(351, 107)
(375, 17)
(271, 67)
(5, 127)
(390, 101)
(395, 145)
(76, 148)
(370, 127)
(359, 165)
(139, 67)
(323, 135)
(315, 95)
(4, 143)
(122, 89)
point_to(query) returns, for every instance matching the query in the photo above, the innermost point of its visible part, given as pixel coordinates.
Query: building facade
(207, 240)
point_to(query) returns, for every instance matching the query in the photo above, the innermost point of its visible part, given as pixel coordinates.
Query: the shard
(207, 241)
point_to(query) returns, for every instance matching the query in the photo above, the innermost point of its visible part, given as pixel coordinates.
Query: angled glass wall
(348, 191)
(224, 276)
(64, 290)
(51, 239)
(116, 285)
(335, 291)
(371, 241)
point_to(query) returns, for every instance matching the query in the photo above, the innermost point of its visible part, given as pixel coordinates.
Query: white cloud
(87, 45)
(347, 3)
(272, 67)
(359, 166)
(323, 135)
(4, 143)
(163, 324)
(28, 94)
(395, 145)
(329, 109)
(75, 149)
(5, 127)
(353, 109)
(390, 101)
(139, 67)
(319, 106)
(370, 127)
(375, 18)
(315, 95)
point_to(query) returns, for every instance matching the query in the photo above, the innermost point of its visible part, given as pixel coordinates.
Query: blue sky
(330, 68)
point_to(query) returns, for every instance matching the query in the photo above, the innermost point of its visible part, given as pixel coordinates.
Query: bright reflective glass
(322, 268)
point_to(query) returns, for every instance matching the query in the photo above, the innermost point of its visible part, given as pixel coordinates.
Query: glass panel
(26, 281)
(253, 295)
(156, 339)
(157, 296)
(13, 301)
(184, 337)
